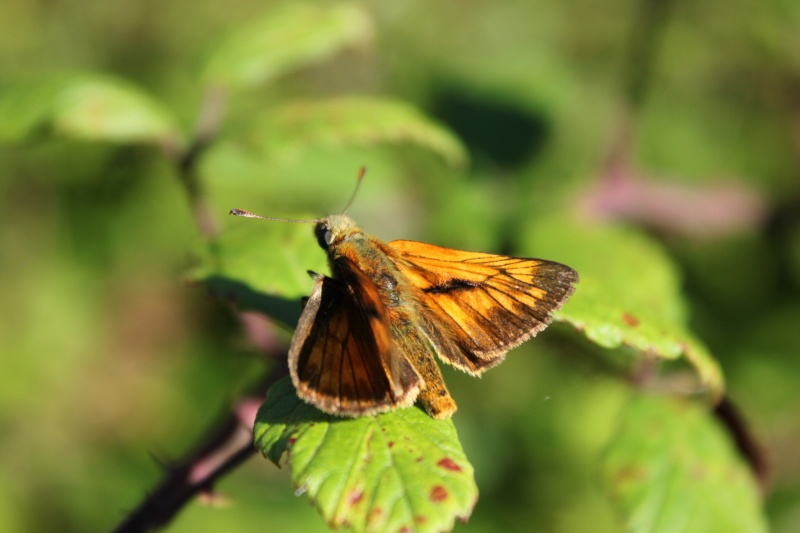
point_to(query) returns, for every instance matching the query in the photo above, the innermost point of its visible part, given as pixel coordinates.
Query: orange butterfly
(365, 340)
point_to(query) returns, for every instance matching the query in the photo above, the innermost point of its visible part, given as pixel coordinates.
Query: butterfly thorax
(341, 237)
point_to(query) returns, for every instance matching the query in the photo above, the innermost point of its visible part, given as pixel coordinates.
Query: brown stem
(645, 38)
(185, 160)
(727, 413)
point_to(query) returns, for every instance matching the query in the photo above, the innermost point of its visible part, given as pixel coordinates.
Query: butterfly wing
(342, 358)
(476, 306)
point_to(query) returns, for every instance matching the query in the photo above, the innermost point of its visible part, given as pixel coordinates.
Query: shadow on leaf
(283, 310)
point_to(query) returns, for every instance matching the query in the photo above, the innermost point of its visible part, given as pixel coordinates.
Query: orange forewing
(476, 306)
(343, 359)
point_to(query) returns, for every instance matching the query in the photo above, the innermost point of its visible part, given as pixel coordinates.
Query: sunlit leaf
(671, 468)
(291, 36)
(109, 109)
(399, 471)
(356, 121)
(262, 266)
(629, 293)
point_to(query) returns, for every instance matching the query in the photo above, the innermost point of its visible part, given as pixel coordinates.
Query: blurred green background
(680, 118)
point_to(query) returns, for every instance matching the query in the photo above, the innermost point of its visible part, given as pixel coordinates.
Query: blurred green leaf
(25, 107)
(286, 38)
(399, 471)
(85, 106)
(670, 468)
(629, 293)
(351, 121)
(262, 266)
(103, 108)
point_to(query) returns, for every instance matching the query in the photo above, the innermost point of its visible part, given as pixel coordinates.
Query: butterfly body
(366, 338)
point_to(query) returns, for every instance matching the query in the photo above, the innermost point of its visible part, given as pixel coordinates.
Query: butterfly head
(333, 229)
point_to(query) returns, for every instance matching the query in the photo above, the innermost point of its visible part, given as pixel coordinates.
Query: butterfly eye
(324, 236)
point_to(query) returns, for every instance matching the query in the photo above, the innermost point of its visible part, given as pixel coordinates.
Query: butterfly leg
(434, 397)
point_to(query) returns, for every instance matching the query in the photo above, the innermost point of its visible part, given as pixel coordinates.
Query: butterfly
(366, 339)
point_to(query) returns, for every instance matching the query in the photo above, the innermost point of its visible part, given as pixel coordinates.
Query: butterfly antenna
(248, 214)
(361, 172)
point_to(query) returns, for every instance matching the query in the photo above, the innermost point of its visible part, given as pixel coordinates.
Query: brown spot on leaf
(390, 444)
(291, 440)
(356, 496)
(699, 472)
(630, 320)
(627, 475)
(449, 464)
(420, 459)
(419, 519)
(438, 494)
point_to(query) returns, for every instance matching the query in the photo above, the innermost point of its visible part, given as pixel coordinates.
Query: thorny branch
(227, 445)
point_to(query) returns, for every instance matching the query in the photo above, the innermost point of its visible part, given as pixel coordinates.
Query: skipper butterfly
(367, 335)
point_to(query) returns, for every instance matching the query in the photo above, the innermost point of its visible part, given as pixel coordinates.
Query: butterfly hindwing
(477, 306)
(342, 357)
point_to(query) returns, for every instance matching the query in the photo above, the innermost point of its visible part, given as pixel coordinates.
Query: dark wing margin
(477, 306)
(342, 358)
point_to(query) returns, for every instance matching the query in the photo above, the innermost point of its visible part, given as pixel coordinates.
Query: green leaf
(284, 39)
(262, 266)
(104, 108)
(24, 107)
(399, 471)
(670, 468)
(629, 293)
(85, 106)
(352, 121)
